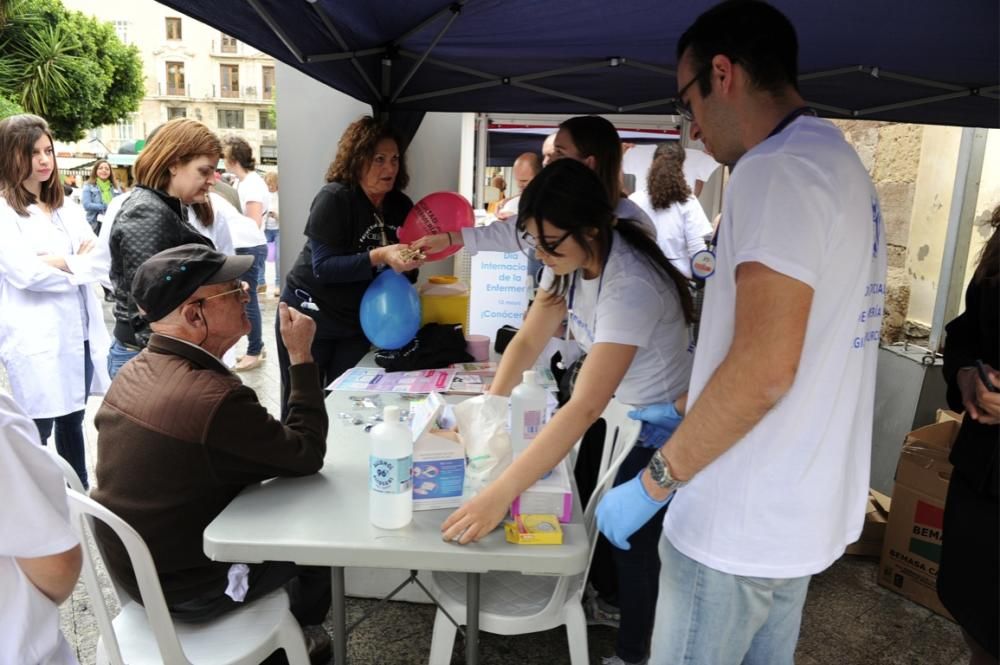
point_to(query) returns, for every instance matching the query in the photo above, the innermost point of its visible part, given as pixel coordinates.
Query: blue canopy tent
(922, 61)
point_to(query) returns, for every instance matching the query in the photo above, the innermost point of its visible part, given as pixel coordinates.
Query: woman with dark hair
(588, 139)
(629, 309)
(970, 556)
(53, 341)
(249, 238)
(351, 236)
(175, 170)
(98, 191)
(681, 224)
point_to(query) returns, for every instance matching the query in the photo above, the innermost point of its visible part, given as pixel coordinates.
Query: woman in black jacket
(968, 581)
(175, 169)
(350, 237)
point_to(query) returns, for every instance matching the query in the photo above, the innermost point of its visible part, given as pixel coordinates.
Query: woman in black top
(968, 583)
(175, 170)
(351, 235)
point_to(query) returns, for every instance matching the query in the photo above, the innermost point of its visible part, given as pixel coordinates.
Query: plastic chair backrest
(83, 511)
(620, 434)
(69, 474)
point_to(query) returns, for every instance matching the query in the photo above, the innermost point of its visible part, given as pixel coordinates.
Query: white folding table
(322, 520)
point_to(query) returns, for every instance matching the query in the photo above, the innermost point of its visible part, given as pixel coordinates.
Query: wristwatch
(659, 472)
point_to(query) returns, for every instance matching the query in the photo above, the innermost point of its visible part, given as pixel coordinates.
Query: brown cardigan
(179, 436)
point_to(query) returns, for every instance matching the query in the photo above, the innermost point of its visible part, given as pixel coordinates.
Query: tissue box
(551, 495)
(534, 530)
(438, 472)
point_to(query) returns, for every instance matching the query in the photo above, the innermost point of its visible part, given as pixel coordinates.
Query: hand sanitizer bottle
(527, 411)
(390, 488)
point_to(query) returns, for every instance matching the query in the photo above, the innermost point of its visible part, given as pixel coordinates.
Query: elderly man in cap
(179, 436)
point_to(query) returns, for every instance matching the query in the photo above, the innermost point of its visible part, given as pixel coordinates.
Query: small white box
(550, 495)
(438, 472)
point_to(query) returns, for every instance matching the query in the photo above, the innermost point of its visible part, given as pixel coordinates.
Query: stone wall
(891, 153)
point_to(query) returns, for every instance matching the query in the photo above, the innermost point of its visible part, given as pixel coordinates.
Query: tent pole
(277, 29)
(961, 216)
(482, 145)
(456, 9)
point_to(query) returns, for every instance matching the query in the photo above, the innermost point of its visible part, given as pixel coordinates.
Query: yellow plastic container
(444, 299)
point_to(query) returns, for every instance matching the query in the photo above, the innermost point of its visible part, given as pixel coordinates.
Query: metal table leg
(339, 610)
(472, 619)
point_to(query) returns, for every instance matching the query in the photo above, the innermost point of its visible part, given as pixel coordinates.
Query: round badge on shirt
(703, 264)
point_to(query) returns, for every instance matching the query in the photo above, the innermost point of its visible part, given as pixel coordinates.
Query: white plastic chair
(69, 473)
(145, 633)
(514, 604)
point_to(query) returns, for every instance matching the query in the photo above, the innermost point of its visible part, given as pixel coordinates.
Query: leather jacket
(149, 222)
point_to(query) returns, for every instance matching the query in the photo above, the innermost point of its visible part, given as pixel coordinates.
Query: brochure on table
(438, 462)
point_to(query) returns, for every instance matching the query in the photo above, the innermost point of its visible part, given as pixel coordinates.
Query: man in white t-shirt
(771, 464)
(40, 555)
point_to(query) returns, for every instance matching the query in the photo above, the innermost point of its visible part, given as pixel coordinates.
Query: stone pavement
(848, 619)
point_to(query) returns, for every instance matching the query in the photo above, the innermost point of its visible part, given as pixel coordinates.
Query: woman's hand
(475, 519)
(400, 257)
(437, 242)
(56, 261)
(86, 246)
(980, 403)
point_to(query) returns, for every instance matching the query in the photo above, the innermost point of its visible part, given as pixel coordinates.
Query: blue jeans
(253, 277)
(274, 238)
(118, 355)
(704, 616)
(69, 428)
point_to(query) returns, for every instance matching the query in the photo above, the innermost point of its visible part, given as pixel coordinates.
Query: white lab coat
(41, 322)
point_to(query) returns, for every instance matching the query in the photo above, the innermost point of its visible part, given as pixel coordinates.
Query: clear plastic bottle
(390, 488)
(527, 411)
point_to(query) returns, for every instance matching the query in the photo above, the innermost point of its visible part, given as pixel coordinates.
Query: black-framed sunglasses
(683, 107)
(532, 242)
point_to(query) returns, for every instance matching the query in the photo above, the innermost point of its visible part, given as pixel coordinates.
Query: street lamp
(107, 150)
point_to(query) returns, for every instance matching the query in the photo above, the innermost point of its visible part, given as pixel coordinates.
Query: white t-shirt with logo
(34, 522)
(788, 497)
(252, 189)
(635, 305)
(680, 229)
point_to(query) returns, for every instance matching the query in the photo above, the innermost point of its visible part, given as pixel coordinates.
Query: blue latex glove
(623, 510)
(659, 422)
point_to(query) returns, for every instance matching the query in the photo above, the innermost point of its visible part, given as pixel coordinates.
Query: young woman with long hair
(175, 170)
(101, 187)
(681, 224)
(53, 341)
(629, 309)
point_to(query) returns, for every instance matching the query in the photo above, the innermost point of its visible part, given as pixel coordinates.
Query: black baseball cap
(165, 280)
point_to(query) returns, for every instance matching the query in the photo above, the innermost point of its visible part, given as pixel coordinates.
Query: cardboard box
(873, 531)
(438, 472)
(911, 552)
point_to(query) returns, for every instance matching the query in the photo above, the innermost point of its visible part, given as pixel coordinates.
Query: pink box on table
(551, 495)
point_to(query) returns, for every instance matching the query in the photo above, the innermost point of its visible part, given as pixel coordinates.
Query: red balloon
(437, 213)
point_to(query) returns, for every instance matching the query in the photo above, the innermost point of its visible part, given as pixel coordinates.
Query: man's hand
(297, 332)
(980, 403)
(623, 510)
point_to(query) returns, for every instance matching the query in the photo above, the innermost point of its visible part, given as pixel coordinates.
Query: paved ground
(848, 619)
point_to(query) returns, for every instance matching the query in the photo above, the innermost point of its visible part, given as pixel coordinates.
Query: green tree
(8, 108)
(67, 67)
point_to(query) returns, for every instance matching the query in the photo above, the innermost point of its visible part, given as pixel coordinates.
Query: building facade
(191, 70)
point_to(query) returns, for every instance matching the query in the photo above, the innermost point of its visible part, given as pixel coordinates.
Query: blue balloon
(390, 311)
